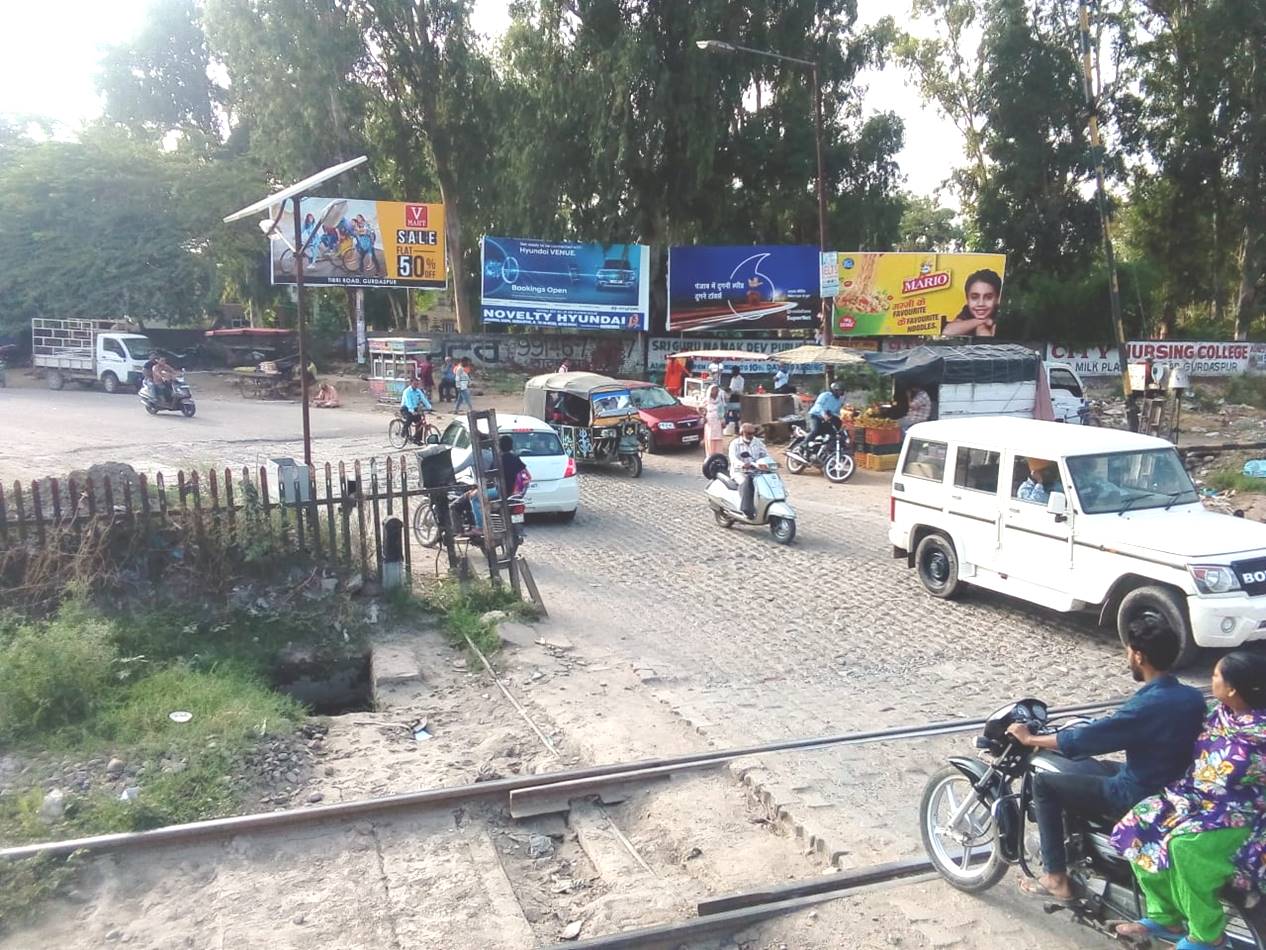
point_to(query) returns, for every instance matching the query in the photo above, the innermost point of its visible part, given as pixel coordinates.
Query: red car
(671, 424)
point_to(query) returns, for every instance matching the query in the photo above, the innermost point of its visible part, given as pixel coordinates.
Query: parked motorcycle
(426, 526)
(177, 397)
(977, 818)
(831, 451)
(770, 498)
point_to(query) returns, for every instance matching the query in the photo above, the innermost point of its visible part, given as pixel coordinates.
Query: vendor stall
(994, 380)
(391, 362)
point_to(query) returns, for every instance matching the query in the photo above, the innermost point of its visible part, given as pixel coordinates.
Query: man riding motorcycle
(745, 452)
(824, 416)
(1156, 729)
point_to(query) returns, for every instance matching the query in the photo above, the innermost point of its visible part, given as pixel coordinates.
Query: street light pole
(300, 253)
(719, 46)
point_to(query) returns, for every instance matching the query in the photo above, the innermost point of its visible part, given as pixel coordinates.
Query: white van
(1072, 518)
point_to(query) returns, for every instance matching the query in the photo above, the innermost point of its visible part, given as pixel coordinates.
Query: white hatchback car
(1073, 518)
(555, 487)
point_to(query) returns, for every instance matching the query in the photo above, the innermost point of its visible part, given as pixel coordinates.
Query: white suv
(1072, 518)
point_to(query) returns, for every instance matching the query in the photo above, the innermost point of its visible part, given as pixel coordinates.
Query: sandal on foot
(1150, 929)
(1032, 887)
(1186, 943)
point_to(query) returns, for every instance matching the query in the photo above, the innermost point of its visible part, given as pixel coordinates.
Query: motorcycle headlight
(666, 425)
(1213, 578)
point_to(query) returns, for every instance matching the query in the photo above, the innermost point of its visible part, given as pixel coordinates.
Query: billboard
(772, 287)
(1205, 358)
(350, 242)
(662, 347)
(561, 284)
(919, 294)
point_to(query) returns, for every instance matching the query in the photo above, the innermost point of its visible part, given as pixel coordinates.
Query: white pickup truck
(88, 352)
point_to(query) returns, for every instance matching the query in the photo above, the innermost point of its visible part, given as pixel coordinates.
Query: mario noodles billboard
(920, 294)
(348, 242)
(561, 284)
(742, 287)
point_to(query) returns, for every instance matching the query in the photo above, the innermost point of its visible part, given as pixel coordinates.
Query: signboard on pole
(745, 287)
(562, 284)
(350, 242)
(899, 294)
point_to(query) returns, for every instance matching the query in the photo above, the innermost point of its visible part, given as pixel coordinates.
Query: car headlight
(1213, 578)
(666, 425)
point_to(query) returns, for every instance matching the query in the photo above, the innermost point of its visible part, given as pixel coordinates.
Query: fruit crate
(891, 435)
(878, 463)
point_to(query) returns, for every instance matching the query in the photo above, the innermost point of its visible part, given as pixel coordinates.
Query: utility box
(294, 482)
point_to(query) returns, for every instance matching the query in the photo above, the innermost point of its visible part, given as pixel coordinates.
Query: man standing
(448, 387)
(782, 380)
(564, 366)
(918, 408)
(745, 452)
(1156, 728)
(461, 380)
(737, 382)
(426, 374)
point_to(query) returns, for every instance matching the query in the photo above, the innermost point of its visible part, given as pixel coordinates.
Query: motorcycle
(831, 451)
(177, 398)
(977, 818)
(723, 493)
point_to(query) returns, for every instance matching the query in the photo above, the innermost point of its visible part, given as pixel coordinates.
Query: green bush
(1247, 390)
(55, 674)
(1233, 480)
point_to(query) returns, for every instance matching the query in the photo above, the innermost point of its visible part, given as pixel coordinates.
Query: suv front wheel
(1162, 604)
(937, 564)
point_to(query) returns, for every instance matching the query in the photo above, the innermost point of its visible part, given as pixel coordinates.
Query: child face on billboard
(983, 300)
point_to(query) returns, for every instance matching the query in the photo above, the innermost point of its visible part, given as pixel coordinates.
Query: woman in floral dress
(1209, 827)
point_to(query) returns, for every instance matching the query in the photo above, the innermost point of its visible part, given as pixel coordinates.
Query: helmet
(837, 388)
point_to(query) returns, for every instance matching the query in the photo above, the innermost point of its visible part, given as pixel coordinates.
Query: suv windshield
(652, 397)
(1129, 481)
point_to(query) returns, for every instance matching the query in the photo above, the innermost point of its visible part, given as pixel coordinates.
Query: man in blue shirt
(825, 412)
(413, 403)
(1156, 729)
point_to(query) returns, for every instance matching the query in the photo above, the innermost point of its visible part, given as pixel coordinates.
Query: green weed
(1233, 480)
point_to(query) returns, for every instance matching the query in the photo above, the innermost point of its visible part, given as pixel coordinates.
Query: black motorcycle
(977, 818)
(831, 450)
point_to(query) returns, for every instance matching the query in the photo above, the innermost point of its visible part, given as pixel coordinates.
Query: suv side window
(925, 459)
(977, 469)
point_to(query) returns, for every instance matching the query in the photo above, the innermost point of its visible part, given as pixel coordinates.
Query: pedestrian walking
(714, 420)
(448, 384)
(426, 374)
(461, 379)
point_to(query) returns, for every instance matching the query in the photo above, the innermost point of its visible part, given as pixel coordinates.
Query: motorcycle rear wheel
(970, 860)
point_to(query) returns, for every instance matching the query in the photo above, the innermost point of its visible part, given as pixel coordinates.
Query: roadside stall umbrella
(274, 205)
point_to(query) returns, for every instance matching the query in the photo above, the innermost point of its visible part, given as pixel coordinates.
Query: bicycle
(398, 436)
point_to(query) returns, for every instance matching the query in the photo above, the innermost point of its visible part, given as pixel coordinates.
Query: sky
(52, 63)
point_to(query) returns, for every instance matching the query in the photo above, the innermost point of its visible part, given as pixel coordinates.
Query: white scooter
(770, 499)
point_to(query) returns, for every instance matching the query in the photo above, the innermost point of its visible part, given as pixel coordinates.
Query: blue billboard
(561, 284)
(745, 287)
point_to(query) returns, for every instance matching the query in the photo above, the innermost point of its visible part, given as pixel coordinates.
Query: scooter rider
(745, 452)
(1156, 728)
(826, 411)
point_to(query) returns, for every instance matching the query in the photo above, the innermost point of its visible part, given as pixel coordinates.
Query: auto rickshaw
(592, 414)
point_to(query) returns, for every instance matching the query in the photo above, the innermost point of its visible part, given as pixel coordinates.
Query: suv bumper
(1227, 621)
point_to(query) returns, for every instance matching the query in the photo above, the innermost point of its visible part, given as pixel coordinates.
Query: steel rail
(444, 796)
(740, 918)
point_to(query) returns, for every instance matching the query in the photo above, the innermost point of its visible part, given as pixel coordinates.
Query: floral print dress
(1224, 788)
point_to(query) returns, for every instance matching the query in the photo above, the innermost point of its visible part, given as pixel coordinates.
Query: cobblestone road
(753, 642)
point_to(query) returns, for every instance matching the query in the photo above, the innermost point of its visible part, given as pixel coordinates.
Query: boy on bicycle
(412, 404)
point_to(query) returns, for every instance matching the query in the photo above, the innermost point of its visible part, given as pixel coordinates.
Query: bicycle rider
(413, 403)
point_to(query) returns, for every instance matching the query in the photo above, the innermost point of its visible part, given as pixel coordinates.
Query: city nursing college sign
(1198, 358)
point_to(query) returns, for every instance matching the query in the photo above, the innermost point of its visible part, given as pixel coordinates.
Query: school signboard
(534, 283)
(350, 242)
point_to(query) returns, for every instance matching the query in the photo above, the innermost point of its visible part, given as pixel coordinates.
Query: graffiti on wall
(611, 355)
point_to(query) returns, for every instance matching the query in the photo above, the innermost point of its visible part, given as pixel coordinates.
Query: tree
(98, 228)
(926, 226)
